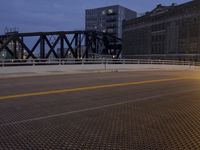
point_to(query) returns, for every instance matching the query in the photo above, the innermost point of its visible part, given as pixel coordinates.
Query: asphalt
(101, 111)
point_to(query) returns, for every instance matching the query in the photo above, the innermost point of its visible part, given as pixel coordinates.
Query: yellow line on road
(87, 88)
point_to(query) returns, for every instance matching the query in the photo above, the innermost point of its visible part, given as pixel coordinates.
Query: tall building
(108, 19)
(171, 29)
(14, 49)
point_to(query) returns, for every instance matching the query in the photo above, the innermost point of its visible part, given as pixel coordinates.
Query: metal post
(22, 49)
(61, 47)
(79, 46)
(76, 46)
(42, 47)
(14, 49)
(87, 45)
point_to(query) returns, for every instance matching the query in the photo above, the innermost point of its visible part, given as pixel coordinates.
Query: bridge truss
(62, 44)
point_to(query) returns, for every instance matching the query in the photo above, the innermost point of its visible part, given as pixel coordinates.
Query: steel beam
(62, 53)
(42, 46)
(79, 43)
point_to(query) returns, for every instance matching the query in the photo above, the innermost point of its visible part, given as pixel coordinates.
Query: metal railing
(34, 62)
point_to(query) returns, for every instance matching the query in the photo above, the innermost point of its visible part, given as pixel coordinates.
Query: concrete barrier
(25, 70)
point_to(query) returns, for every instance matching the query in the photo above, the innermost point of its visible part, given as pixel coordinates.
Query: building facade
(166, 30)
(108, 19)
(15, 48)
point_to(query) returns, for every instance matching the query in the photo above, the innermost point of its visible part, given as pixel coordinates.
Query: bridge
(145, 109)
(55, 95)
(62, 44)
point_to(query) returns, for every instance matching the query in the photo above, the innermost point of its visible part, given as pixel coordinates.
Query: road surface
(101, 111)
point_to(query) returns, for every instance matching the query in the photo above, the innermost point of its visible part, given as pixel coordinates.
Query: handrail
(68, 61)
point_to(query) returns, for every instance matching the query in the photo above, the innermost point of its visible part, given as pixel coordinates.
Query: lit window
(3, 54)
(103, 12)
(110, 11)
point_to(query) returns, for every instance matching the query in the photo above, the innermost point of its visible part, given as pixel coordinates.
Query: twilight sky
(52, 15)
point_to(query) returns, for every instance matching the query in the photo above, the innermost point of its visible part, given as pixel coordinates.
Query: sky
(61, 15)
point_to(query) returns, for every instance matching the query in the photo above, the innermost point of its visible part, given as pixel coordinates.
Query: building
(15, 51)
(108, 19)
(171, 30)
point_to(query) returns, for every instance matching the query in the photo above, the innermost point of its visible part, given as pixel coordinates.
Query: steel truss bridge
(62, 44)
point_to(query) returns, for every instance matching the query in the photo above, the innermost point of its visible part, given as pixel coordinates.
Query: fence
(33, 62)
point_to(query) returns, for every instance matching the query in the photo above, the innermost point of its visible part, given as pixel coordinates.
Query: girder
(60, 44)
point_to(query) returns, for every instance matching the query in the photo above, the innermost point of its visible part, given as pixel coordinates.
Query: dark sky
(51, 15)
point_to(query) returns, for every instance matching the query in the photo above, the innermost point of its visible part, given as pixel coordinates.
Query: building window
(103, 12)
(110, 11)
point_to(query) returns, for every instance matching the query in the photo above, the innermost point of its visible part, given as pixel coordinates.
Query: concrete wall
(87, 68)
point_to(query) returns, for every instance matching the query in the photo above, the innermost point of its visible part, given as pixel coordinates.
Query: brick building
(170, 30)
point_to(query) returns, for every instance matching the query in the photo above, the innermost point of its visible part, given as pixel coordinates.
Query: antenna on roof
(8, 30)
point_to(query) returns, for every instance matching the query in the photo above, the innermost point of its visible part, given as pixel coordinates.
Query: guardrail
(33, 62)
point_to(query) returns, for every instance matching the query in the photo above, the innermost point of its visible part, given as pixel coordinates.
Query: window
(103, 12)
(110, 11)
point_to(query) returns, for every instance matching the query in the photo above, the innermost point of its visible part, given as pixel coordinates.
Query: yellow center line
(87, 88)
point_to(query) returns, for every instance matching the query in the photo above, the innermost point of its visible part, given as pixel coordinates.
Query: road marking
(98, 107)
(87, 88)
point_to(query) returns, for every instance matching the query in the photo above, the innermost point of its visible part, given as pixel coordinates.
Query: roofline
(146, 15)
(104, 7)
